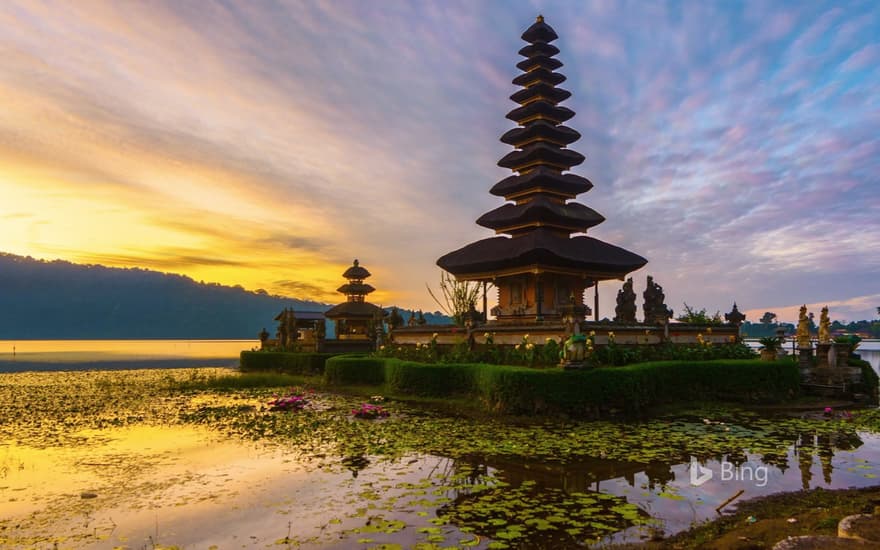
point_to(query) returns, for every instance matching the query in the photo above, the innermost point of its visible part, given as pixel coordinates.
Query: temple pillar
(596, 301)
(539, 298)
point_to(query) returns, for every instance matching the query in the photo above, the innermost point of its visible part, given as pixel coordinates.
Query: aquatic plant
(370, 411)
(295, 400)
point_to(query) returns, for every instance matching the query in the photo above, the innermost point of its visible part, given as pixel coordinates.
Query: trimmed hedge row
(584, 392)
(286, 362)
(354, 369)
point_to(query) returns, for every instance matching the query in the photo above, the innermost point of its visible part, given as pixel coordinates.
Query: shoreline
(7, 366)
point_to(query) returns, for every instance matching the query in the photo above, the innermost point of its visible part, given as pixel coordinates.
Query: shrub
(354, 369)
(437, 380)
(286, 362)
(521, 390)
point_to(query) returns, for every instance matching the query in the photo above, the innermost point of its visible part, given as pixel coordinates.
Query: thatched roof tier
(540, 130)
(540, 110)
(541, 180)
(541, 250)
(354, 310)
(550, 94)
(541, 211)
(356, 272)
(355, 288)
(539, 61)
(539, 49)
(541, 154)
(539, 32)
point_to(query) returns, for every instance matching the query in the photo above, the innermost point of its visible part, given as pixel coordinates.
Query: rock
(87, 494)
(822, 542)
(864, 527)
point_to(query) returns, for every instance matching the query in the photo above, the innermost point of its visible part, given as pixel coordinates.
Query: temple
(355, 316)
(539, 269)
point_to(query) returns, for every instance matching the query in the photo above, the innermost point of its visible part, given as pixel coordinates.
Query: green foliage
(286, 362)
(458, 296)
(344, 370)
(236, 381)
(547, 354)
(436, 380)
(699, 317)
(851, 340)
(767, 318)
(512, 389)
(770, 343)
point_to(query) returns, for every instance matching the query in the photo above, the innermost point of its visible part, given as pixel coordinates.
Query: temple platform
(506, 334)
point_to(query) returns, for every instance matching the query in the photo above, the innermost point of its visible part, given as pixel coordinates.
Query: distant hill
(61, 300)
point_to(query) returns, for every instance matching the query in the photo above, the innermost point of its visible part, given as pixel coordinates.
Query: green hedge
(344, 370)
(438, 379)
(583, 392)
(286, 362)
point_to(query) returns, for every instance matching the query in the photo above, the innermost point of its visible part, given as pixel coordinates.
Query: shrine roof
(545, 178)
(542, 210)
(354, 310)
(542, 247)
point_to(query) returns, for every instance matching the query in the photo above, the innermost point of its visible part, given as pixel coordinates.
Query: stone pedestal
(822, 355)
(805, 358)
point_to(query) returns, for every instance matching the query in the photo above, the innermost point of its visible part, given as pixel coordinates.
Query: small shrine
(355, 318)
(535, 263)
(297, 330)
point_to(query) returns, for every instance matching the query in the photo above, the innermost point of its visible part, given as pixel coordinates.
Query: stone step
(862, 527)
(821, 542)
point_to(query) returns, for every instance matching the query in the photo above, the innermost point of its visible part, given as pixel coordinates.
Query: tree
(458, 296)
(692, 315)
(768, 317)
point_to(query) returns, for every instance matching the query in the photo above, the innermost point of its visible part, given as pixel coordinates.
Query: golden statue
(803, 329)
(824, 333)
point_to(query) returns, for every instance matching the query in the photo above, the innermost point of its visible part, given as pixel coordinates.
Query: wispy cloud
(734, 145)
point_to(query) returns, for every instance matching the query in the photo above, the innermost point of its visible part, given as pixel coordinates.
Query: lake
(133, 459)
(20, 355)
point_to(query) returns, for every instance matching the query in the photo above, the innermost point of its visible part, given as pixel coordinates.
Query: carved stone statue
(625, 312)
(655, 309)
(824, 333)
(803, 329)
(395, 319)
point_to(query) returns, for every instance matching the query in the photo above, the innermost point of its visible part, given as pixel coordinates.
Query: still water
(27, 355)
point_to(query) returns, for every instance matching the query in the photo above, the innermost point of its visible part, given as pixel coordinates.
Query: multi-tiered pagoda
(536, 263)
(355, 315)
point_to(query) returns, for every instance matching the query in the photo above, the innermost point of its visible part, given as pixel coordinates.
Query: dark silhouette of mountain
(58, 299)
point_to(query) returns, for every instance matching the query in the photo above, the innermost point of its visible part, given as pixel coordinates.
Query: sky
(735, 145)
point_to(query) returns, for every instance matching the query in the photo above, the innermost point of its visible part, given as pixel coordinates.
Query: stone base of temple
(512, 334)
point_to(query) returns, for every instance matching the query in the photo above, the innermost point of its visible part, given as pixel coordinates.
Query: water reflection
(661, 490)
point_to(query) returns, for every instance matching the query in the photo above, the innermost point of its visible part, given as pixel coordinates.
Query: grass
(817, 512)
(242, 381)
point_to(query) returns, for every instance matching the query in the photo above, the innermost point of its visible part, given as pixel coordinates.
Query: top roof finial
(356, 262)
(539, 19)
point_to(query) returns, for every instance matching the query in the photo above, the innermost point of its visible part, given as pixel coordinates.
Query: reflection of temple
(355, 317)
(535, 262)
